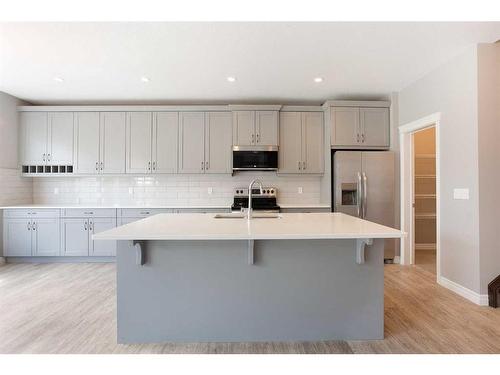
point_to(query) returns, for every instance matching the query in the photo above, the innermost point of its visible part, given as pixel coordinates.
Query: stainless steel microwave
(255, 158)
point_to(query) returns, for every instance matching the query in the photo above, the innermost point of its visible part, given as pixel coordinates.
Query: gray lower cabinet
(31, 237)
(77, 236)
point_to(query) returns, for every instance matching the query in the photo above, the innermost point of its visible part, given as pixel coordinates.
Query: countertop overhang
(288, 226)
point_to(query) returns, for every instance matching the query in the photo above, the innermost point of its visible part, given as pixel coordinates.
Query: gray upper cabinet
(205, 142)
(345, 126)
(266, 128)
(313, 133)
(191, 142)
(60, 138)
(87, 138)
(165, 142)
(244, 128)
(290, 151)
(360, 127)
(139, 142)
(34, 131)
(301, 142)
(218, 142)
(47, 138)
(252, 128)
(374, 123)
(113, 141)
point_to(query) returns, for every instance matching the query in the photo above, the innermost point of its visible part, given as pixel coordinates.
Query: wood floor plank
(71, 308)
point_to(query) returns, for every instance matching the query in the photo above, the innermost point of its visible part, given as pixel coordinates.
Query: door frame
(406, 132)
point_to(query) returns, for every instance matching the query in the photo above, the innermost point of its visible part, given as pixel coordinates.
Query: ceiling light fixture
(231, 79)
(318, 79)
(59, 79)
(145, 79)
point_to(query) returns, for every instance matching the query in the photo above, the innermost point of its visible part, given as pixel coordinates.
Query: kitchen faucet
(249, 211)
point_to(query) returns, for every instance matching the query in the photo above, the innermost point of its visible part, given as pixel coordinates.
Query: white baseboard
(478, 299)
(397, 259)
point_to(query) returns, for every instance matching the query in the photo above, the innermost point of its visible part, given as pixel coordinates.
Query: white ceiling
(189, 62)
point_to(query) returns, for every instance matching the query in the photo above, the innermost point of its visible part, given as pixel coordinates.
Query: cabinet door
(17, 237)
(290, 155)
(113, 140)
(313, 155)
(191, 142)
(46, 237)
(101, 247)
(75, 237)
(345, 126)
(165, 142)
(374, 123)
(218, 141)
(266, 128)
(87, 142)
(61, 139)
(34, 129)
(139, 140)
(243, 128)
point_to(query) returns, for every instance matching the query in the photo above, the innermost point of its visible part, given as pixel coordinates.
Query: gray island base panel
(206, 291)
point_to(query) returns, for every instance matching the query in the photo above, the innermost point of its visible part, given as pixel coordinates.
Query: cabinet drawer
(32, 213)
(142, 212)
(89, 212)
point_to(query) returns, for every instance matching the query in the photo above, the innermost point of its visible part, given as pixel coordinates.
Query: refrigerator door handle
(365, 194)
(358, 193)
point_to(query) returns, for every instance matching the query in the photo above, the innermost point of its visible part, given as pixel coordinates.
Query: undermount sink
(255, 215)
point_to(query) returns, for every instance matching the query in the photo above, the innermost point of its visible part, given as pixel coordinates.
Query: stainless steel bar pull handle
(206, 165)
(304, 165)
(202, 164)
(29, 228)
(357, 138)
(102, 165)
(48, 157)
(258, 137)
(253, 138)
(96, 165)
(85, 225)
(149, 165)
(363, 138)
(154, 166)
(358, 195)
(365, 194)
(299, 165)
(43, 156)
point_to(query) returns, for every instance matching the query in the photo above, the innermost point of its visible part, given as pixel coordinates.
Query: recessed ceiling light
(318, 79)
(145, 79)
(231, 79)
(59, 79)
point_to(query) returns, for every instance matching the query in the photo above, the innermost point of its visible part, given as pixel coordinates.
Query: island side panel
(199, 291)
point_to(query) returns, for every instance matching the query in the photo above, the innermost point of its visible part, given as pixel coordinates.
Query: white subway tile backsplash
(14, 189)
(168, 189)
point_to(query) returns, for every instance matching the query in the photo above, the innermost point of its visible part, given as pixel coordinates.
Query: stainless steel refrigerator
(363, 186)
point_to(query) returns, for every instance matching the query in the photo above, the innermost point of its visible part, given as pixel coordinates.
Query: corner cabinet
(301, 148)
(205, 142)
(46, 138)
(359, 127)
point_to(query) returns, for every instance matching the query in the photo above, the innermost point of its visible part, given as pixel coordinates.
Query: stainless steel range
(265, 202)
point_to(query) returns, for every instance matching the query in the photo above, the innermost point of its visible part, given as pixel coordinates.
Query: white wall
(452, 90)
(14, 189)
(489, 162)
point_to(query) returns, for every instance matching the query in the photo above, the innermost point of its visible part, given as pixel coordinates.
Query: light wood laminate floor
(426, 259)
(71, 308)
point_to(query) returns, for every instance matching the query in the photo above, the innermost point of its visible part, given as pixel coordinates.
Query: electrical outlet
(461, 194)
(299, 190)
(210, 191)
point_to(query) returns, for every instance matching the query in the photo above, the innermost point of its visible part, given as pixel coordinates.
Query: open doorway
(424, 198)
(420, 195)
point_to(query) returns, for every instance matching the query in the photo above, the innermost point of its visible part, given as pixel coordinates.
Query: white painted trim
(302, 108)
(406, 182)
(124, 108)
(254, 107)
(357, 103)
(478, 299)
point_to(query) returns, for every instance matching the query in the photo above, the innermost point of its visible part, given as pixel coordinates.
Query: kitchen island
(221, 278)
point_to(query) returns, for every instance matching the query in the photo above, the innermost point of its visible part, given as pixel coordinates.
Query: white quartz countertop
(84, 206)
(288, 226)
